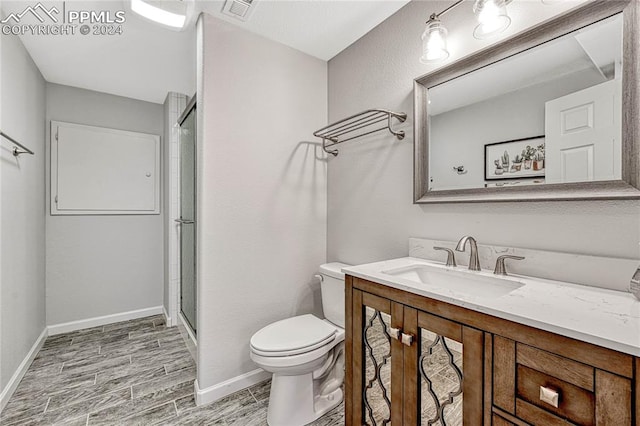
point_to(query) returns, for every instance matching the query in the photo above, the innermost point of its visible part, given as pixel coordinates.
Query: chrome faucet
(474, 263)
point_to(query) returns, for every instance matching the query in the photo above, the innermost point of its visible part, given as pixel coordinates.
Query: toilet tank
(332, 288)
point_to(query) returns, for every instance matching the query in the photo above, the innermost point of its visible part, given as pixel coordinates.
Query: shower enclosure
(188, 223)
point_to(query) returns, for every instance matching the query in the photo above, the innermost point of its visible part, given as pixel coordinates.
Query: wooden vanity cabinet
(404, 352)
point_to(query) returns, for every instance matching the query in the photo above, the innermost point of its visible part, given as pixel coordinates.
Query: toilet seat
(292, 363)
(293, 336)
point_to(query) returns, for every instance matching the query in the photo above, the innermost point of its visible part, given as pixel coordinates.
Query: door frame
(175, 103)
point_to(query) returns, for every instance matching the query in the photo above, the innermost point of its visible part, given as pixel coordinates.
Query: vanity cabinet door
(377, 361)
(443, 371)
(409, 367)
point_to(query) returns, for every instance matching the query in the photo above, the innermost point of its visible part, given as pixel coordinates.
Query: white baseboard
(215, 392)
(106, 319)
(22, 369)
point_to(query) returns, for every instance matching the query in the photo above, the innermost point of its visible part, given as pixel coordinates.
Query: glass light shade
(434, 42)
(492, 18)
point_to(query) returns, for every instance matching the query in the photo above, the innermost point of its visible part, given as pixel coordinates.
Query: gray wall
(371, 214)
(261, 191)
(22, 229)
(102, 265)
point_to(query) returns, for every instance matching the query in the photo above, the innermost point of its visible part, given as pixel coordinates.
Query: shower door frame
(191, 106)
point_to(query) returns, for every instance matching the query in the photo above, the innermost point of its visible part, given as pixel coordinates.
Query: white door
(583, 135)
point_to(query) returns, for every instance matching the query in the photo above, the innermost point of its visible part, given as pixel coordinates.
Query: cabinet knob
(407, 339)
(550, 396)
(395, 333)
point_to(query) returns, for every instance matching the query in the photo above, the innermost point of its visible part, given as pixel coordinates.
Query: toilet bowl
(305, 354)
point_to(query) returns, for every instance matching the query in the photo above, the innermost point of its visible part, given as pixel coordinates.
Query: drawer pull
(549, 396)
(407, 339)
(395, 333)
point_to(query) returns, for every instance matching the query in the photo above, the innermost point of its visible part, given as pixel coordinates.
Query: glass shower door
(188, 294)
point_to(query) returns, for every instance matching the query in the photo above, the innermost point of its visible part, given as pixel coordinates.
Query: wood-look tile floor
(130, 373)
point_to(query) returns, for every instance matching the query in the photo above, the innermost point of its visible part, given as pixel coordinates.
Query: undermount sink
(471, 283)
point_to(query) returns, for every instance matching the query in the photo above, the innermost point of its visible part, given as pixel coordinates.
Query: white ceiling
(321, 28)
(147, 61)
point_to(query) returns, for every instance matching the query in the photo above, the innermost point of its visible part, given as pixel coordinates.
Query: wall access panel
(99, 171)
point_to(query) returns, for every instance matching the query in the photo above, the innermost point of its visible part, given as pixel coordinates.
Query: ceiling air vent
(239, 9)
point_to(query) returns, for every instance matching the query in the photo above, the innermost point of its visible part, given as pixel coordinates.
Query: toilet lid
(293, 336)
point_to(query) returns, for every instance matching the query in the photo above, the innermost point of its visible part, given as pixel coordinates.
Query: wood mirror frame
(628, 187)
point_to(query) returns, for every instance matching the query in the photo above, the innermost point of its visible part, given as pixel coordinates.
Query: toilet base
(292, 401)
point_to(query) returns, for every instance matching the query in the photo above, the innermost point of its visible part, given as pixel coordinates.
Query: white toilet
(306, 356)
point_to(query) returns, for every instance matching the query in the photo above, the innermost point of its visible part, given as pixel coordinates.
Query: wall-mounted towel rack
(358, 125)
(16, 151)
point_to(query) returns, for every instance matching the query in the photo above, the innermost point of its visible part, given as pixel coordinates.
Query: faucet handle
(635, 284)
(500, 268)
(451, 257)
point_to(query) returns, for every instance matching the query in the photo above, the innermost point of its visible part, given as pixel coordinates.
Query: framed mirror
(549, 114)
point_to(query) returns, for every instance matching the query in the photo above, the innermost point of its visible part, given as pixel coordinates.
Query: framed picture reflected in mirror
(515, 159)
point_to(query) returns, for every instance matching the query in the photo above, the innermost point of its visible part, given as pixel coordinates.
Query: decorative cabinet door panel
(377, 369)
(443, 371)
(413, 368)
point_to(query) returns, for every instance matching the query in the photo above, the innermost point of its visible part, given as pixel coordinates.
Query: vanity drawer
(567, 370)
(573, 403)
(584, 395)
(544, 380)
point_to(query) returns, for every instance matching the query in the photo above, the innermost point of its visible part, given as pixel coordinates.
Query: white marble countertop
(603, 317)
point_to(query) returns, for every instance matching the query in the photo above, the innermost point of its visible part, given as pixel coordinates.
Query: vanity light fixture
(492, 18)
(434, 38)
(434, 41)
(173, 14)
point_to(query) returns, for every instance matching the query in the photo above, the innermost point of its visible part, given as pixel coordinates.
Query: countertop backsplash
(596, 271)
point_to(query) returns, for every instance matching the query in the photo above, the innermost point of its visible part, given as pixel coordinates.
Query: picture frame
(501, 159)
